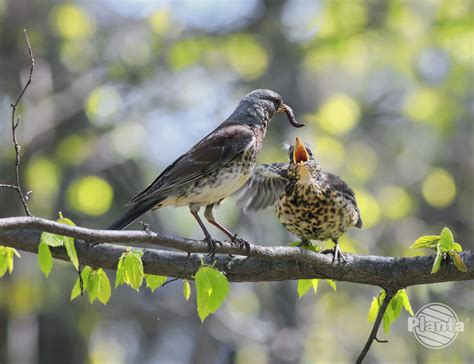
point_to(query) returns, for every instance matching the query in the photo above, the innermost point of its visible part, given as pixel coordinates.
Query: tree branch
(264, 263)
(14, 124)
(373, 334)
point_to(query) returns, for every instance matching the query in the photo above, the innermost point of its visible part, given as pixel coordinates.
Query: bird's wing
(217, 149)
(268, 181)
(338, 184)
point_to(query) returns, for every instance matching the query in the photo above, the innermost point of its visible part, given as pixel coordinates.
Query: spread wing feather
(268, 181)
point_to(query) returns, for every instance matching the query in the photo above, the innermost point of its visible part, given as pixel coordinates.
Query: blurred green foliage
(122, 88)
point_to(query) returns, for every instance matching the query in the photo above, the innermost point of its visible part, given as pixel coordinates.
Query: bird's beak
(291, 117)
(300, 154)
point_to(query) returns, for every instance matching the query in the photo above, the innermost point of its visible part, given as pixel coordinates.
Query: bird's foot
(337, 254)
(212, 245)
(146, 227)
(94, 243)
(242, 243)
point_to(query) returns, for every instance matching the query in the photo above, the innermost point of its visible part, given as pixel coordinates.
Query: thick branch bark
(264, 264)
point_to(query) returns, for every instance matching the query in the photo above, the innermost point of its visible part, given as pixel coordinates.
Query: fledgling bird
(215, 167)
(309, 202)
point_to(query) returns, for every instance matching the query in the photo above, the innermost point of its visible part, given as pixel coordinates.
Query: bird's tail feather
(131, 215)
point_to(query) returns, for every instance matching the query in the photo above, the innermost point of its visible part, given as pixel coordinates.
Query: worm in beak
(291, 117)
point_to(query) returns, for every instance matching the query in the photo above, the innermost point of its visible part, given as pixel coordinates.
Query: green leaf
(71, 251)
(45, 258)
(295, 243)
(446, 240)
(332, 283)
(65, 220)
(154, 281)
(426, 241)
(388, 318)
(406, 302)
(3, 260)
(76, 289)
(315, 283)
(133, 267)
(397, 305)
(312, 247)
(103, 289)
(303, 286)
(373, 310)
(186, 289)
(53, 240)
(437, 261)
(457, 247)
(120, 274)
(93, 286)
(211, 289)
(459, 263)
(15, 252)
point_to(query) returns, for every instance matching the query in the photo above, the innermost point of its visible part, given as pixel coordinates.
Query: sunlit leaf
(426, 241)
(45, 258)
(373, 310)
(315, 283)
(211, 289)
(76, 289)
(459, 263)
(93, 286)
(3, 261)
(53, 240)
(397, 305)
(120, 273)
(71, 251)
(186, 289)
(303, 286)
(388, 318)
(133, 267)
(437, 261)
(154, 281)
(406, 302)
(65, 220)
(446, 240)
(457, 247)
(103, 289)
(332, 283)
(11, 252)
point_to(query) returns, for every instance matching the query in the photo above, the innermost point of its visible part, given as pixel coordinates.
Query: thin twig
(14, 123)
(180, 273)
(373, 334)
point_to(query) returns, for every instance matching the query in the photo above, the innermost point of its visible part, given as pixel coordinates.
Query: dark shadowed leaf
(459, 263)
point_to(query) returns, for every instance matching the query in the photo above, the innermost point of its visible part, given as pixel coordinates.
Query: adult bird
(215, 167)
(309, 202)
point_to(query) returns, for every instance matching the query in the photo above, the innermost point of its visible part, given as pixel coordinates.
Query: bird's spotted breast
(315, 211)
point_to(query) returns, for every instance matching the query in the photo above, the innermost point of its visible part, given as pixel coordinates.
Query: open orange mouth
(300, 154)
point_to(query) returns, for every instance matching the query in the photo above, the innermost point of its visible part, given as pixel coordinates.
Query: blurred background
(122, 88)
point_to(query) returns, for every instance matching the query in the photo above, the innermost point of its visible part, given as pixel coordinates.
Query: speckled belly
(311, 213)
(219, 184)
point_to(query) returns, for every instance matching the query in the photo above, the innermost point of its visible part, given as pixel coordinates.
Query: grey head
(259, 106)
